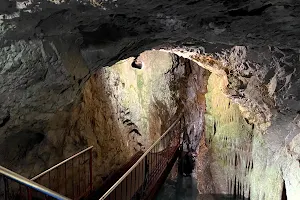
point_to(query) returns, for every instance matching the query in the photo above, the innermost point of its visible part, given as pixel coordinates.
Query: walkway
(144, 178)
(72, 178)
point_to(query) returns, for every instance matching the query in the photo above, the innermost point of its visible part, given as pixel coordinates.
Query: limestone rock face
(194, 102)
(34, 85)
(48, 50)
(120, 110)
(124, 110)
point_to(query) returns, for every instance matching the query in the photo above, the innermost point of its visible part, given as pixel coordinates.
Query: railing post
(29, 196)
(29, 185)
(91, 170)
(146, 174)
(65, 181)
(6, 191)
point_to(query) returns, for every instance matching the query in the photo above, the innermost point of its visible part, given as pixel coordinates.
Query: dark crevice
(192, 2)
(126, 121)
(215, 128)
(135, 131)
(283, 196)
(137, 64)
(245, 12)
(140, 144)
(247, 120)
(64, 90)
(5, 120)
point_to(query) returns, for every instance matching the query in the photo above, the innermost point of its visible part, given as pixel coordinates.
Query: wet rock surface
(49, 49)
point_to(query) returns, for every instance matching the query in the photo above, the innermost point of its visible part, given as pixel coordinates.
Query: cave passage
(121, 110)
(88, 85)
(211, 121)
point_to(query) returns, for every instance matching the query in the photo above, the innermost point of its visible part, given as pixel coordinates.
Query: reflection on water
(182, 188)
(185, 188)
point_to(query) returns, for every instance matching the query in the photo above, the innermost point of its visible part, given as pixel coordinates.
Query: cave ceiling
(142, 22)
(107, 31)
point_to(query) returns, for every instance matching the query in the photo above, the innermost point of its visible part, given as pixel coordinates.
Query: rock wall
(246, 161)
(36, 81)
(229, 136)
(249, 155)
(124, 110)
(120, 110)
(194, 103)
(39, 41)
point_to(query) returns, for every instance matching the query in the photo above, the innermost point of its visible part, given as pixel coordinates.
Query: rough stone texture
(119, 110)
(254, 42)
(124, 110)
(246, 160)
(230, 138)
(194, 103)
(34, 85)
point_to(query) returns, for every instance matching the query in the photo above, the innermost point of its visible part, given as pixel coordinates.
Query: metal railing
(140, 178)
(15, 186)
(72, 177)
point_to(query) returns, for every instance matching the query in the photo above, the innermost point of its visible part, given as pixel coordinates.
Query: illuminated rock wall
(124, 109)
(245, 160)
(230, 139)
(120, 110)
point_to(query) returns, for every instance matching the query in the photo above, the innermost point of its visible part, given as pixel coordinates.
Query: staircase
(138, 179)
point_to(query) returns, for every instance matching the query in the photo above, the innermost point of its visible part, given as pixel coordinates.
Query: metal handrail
(20, 179)
(140, 159)
(61, 163)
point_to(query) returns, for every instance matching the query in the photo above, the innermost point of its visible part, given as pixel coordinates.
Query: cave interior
(115, 75)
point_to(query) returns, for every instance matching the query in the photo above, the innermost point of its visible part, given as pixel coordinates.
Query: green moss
(140, 81)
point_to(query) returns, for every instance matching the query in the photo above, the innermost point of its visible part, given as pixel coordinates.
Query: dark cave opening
(283, 196)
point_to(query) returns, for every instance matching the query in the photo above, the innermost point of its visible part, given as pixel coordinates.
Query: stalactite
(231, 139)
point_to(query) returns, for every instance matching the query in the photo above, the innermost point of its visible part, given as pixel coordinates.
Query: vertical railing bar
(126, 189)
(135, 182)
(58, 178)
(143, 173)
(78, 192)
(147, 169)
(117, 193)
(131, 185)
(122, 189)
(66, 187)
(6, 189)
(20, 190)
(141, 176)
(156, 156)
(28, 193)
(49, 180)
(151, 165)
(158, 159)
(84, 174)
(91, 171)
(132, 191)
(138, 178)
(73, 190)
